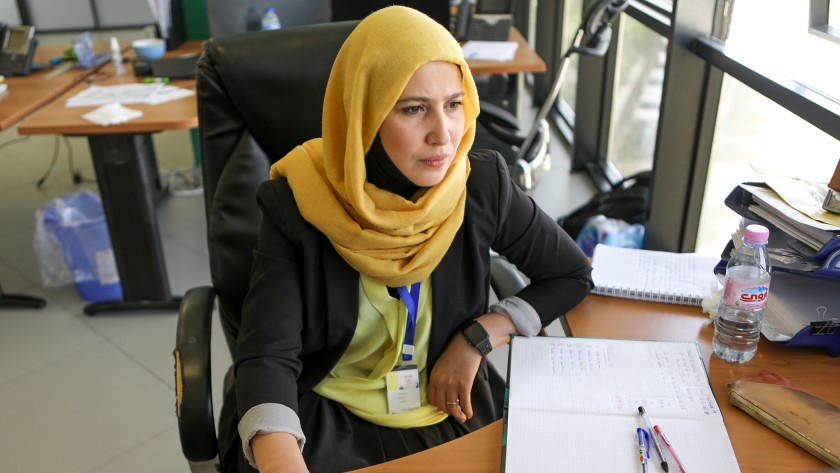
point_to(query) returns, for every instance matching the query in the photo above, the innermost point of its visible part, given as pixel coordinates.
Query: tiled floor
(85, 393)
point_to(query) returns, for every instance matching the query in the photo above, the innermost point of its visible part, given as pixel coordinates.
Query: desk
(26, 94)
(127, 175)
(757, 448)
(525, 60)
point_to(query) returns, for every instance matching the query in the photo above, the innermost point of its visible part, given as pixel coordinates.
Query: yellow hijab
(390, 239)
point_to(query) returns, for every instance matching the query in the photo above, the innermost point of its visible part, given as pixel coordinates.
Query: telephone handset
(17, 46)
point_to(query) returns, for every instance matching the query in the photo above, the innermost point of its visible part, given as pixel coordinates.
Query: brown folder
(806, 420)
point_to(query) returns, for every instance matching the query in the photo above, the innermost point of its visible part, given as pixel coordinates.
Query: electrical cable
(75, 173)
(52, 164)
(22, 138)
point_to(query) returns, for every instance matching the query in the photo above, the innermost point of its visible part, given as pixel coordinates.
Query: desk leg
(126, 171)
(20, 301)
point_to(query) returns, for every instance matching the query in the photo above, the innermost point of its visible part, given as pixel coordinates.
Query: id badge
(402, 386)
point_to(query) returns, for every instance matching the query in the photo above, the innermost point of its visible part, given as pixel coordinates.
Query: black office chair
(259, 95)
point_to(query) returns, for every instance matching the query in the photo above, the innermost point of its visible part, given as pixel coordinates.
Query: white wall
(77, 14)
(9, 12)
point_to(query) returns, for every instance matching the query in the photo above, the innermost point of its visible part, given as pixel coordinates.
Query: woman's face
(423, 130)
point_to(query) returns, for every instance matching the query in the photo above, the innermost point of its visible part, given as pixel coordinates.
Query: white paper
(573, 406)
(149, 94)
(112, 114)
(168, 94)
(105, 94)
(490, 50)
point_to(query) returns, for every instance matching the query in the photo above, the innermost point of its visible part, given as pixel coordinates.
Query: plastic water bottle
(270, 20)
(738, 323)
(116, 57)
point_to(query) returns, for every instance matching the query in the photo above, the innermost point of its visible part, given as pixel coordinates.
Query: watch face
(478, 337)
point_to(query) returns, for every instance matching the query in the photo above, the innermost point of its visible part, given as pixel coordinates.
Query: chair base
(125, 306)
(20, 301)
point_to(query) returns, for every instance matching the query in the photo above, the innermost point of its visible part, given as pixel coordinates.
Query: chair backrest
(259, 95)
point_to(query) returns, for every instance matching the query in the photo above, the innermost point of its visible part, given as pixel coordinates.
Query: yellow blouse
(358, 379)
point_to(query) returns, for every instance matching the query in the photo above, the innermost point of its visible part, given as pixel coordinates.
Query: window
(635, 113)
(825, 19)
(571, 24)
(752, 130)
(775, 34)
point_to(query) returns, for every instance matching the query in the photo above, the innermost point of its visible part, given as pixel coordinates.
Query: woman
(366, 324)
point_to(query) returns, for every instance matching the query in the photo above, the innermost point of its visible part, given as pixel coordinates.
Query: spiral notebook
(676, 278)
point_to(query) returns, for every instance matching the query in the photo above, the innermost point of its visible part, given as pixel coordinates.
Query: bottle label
(745, 296)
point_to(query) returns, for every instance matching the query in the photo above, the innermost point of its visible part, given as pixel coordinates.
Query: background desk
(27, 94)
(127, 175)
(757, 448)
(525, 60)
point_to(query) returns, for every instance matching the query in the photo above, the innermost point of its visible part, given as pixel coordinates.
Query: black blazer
(302, 307)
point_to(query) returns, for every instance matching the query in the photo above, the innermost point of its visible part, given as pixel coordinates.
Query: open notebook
(677, 278)
(572, 405)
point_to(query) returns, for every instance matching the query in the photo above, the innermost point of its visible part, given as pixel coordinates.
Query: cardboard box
(834, 183)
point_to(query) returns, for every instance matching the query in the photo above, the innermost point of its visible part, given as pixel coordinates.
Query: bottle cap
(756, 234)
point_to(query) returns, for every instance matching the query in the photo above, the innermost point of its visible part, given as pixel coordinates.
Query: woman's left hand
(451, 379)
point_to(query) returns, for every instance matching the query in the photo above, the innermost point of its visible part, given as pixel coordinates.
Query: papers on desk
(112, 114)
(490, 50)
(150, 94)
(573, 406)
(796, 301)
(809, 232)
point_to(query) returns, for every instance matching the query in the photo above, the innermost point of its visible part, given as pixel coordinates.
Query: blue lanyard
(411, 299)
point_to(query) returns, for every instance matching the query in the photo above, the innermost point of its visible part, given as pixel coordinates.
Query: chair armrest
(501, 124)
(194, 400)
(505, 279)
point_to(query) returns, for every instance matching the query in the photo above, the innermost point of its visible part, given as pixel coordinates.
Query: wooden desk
(525, 60)
(757, 448)
(27, 94)
(127, 175)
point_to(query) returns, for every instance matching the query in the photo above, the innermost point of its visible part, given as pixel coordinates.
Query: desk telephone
(17, 46)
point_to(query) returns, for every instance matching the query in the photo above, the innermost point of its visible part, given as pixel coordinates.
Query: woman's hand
(451, 379)
(278, 452)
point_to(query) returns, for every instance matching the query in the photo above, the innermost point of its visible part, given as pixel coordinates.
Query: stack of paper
(150, 94)
(796, 301)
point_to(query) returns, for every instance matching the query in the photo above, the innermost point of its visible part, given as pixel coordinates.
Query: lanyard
(411, 299)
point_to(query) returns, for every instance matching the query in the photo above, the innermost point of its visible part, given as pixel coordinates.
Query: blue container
(78, 222)
(611, 232)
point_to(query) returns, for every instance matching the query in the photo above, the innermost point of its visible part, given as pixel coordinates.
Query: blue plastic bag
(78, 223)
(609, 231)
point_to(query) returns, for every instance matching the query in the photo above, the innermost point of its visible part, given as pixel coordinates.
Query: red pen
(670, 448)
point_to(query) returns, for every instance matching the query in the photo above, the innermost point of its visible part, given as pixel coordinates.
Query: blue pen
(643, 438)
